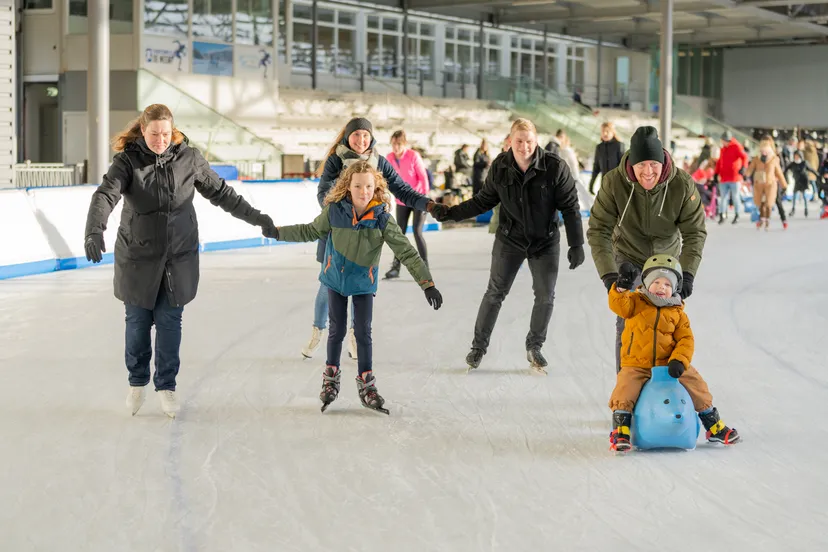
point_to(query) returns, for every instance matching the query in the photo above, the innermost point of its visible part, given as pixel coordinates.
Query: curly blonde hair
(341, 189)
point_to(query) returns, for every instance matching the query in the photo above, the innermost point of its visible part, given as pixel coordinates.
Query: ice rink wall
(43, 228)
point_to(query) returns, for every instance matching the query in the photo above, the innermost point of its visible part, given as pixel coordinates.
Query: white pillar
(97, 90)
(560, 68)
(665, 98)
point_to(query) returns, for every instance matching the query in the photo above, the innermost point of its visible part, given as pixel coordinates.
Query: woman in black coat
(608, 154)
(480, 168)
(156, 250)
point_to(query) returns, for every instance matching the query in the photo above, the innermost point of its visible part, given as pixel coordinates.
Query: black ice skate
(537, 363)
(717, 431)
(330, 386)
(474, 358)
(368, 393)
(620, 436)
(395, 270)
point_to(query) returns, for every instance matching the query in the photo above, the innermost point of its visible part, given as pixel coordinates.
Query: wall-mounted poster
(255, 62)
(164, 54)
(212, 59)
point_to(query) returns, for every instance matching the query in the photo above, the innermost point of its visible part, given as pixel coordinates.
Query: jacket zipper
(655, 334)
(632, 336)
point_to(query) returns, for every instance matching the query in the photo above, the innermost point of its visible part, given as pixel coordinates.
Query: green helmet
(663, 261)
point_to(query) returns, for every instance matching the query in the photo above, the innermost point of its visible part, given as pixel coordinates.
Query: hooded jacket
(768, 171)
(354, 245)
(158, 235)
(411, 169)
(653, 336)
(635, 223)
(732, 159)
(529, 202)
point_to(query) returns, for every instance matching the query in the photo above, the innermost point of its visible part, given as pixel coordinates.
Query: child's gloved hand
(627, 275)
(675, 368)
(434, 298)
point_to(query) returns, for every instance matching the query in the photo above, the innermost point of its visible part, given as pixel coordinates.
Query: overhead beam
(776, 3)
(576, 13)
(751, 9)
(655, 26)
(434, 4)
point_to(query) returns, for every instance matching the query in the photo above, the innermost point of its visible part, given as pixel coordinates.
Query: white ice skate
(312, 346)
(136, 398)
(352, 344)
(169, 403)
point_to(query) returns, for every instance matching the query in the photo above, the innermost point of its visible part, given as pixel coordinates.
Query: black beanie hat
(358, 123)
(645, 146)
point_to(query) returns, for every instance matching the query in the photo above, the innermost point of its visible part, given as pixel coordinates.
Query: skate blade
(171, 415)
(378, 409)
(539, 370)
(325, 406)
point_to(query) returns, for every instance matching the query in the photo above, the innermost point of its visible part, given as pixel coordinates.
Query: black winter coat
(480, 170)
(158, 235)
(529, 203)
(607, 157)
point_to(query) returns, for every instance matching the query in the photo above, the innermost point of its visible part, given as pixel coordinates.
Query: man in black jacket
(531, 186)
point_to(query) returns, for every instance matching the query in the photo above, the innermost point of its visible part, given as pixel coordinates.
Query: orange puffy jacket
(653, 336)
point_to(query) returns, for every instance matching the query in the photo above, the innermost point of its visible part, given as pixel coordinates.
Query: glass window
(325, 15)
(301, 54)
(389, 24)
(492, 62)
(426, 29)
(166, 18)
(526, 44)
(302, 11)
(425, 61)
(213, 19)
(515, 61)
(514, 42)
(345, 56)
(282, 33)
(494, 40)
(346, 18)
(464, 35)
(38, 5)
(325, 49)
(526, 65)
(120, 17)
(553, 76)
(450, 33)
(373, 54)
(476, 37)
(373, 22)
(412, 27)
(390, 55)
(254, 22)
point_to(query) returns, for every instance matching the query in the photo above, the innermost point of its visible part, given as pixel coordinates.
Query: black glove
(439, 211)
(433, 297)
(627, 275)
(270, 232)
(715, 179)
(94, 246)
(264, 221)
(675, 368)
(576, 256)
(609, 279)
(686, 285)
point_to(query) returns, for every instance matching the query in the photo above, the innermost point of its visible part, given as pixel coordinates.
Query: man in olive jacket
(646, 206)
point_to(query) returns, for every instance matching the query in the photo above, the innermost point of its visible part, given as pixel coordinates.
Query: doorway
(41, 122)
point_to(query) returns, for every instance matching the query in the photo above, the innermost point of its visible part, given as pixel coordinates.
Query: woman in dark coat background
(480, 168)
(608, 154)
(156, 251)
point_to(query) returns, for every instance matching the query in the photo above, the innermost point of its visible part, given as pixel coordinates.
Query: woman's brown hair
(341, 189)
(132, 132)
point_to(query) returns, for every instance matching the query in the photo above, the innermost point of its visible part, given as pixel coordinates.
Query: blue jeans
(138, 350)
(363, 310)
(726, 189)
(320, 308)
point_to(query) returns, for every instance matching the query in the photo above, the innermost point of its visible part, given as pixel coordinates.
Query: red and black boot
(330, 386)
(717, 431)
(620, 436)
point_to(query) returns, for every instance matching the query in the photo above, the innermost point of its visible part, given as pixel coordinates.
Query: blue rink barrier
(48, 223)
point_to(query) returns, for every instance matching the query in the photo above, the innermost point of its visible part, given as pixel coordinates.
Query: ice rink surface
(494, 460)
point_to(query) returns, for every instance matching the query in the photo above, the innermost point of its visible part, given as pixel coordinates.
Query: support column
(561, 62)
(545, 61)
(404, 6)
(482, 62)
(314, 41)
(97, 90)
(665, 98)
(289, 35)
(598, 78)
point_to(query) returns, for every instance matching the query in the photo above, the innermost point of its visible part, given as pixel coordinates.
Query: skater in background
(409, 165)
(800, 170)
(494, 222)
(355, 142)
(646, 205)
(480, 169)
(669, 343)
(156, 251)
(608, 154)
(811, 158)
(531, 186)
(765, 170)
(732, 161)
(356, 224)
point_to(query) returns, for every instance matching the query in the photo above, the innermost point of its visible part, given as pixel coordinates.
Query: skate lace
(330, 381)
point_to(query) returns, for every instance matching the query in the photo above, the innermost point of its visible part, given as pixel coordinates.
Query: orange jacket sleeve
(685, 343)
(623, 303)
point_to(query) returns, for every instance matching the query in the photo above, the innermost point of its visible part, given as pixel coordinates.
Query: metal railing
(45, 175)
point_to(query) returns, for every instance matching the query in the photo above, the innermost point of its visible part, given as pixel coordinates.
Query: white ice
(499, 459)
